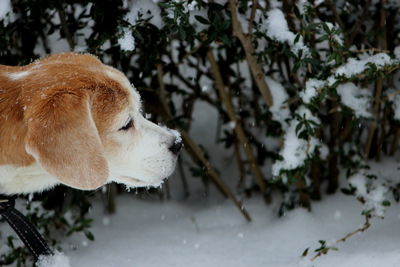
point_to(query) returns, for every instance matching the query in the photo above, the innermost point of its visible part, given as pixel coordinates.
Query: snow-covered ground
(211, 231)
(151, 233)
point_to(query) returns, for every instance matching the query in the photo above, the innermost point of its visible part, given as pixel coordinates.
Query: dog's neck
(24, 179)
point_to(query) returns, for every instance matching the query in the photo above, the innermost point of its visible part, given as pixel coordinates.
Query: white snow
(306, 113)
(323, 151)
(277, 28)
(127, 41)
(359, 182)
(205, 88)
(214, 234)
(336, 37)
(145, 9)
(355, 98)
(56, 260)
(302, 6)
(280, 111)
(357, 66)
(178, 137)
(294, 151)
(187, 7)
(231, 125)
(373, 193)
(210, 232)
(394, 97)
(311, 90)
(397, 52)
(275, 4)
(5, 8)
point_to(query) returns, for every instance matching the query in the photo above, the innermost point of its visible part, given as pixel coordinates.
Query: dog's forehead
(133, 96)
(115, 103)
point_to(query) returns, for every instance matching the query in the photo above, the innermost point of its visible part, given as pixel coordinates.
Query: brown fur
(58, 114)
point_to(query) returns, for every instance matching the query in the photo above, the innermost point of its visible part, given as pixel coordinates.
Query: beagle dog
(69, 119)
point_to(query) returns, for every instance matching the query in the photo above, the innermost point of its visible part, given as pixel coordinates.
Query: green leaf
(348, 191)
(297, 38)
(202, 20)
(325, 27)
(89, 235)
(298, 128)
(226, 40)
(366, 212)
(305, 252)
(296, 11)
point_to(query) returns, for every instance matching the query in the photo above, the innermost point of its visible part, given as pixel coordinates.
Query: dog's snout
(176, 146)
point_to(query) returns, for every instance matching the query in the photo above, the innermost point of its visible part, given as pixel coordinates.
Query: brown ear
(63, 139)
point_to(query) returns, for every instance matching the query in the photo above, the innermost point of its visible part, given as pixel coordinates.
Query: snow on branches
(277, 28)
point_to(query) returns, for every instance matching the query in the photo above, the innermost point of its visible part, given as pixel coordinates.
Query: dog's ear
(63, 139)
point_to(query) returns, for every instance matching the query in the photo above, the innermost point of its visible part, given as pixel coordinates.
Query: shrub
(303, 89)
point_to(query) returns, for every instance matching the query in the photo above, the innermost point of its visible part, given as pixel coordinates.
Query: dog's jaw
(131, 182)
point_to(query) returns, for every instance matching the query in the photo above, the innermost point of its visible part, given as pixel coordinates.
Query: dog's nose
(176, 147)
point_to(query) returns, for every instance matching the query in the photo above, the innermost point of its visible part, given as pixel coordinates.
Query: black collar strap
(24, 228)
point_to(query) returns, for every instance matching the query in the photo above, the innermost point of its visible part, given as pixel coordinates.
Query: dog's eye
(127, 126)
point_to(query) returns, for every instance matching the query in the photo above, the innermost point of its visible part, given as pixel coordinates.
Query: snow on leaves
(127, 41)
(357, 99)
(371, 192)
(277, 28)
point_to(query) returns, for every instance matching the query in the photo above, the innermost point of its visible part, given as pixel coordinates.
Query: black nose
(176, 146)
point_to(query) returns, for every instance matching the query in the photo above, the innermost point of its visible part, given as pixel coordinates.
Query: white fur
(140, 158)
(28, 179)
(144, 158)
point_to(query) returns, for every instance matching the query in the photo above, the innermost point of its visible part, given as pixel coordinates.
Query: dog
(70, 119)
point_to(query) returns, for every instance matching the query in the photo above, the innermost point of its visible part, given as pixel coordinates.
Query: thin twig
(186, 192)
(336, 14)
(197, 154)
(359, 230)
(365, 226)
(354, 31)
(379, 83)
(373, 49)
(240, 164)
(382, 137)
(227, 102)
(65, 28)
(252, 16)
(395, 142)
(162, 92)
(255, 68)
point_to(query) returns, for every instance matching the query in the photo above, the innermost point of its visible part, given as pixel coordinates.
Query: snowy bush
(306, 91)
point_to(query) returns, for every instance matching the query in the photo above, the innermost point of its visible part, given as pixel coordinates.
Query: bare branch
(197, 154)
(365, 226)
(227, 102)
(255, 68)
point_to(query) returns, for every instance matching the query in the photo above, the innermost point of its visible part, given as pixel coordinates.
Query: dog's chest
(24, 179)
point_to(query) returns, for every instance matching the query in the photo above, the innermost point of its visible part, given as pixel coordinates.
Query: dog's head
(84, 125)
